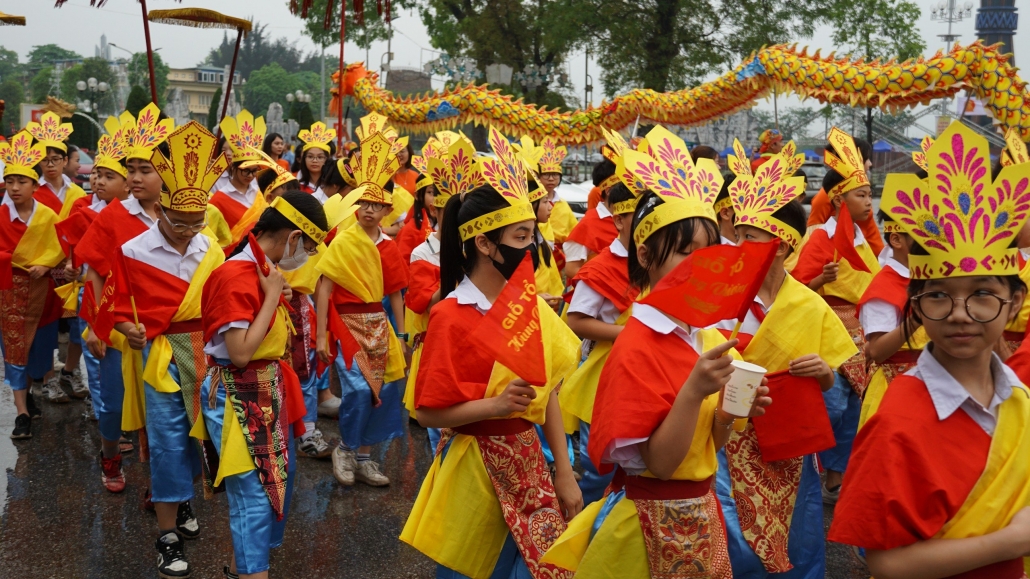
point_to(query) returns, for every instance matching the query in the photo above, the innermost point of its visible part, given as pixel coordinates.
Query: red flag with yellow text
(117, 283)
(714, 283)
(844, 240)
(511, 330)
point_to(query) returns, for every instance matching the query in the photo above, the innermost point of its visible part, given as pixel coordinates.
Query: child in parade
(488, 507)
(937, 487)
(423, 221)
(252, 401)
(239, 201)
(318, 150)
(596, 230)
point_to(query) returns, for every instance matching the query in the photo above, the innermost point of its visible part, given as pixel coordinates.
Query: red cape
(112, 228)
(11, 233)
(639, 383)
(608, 275)
(395, 274)
(411, 236)
(887, 285)
(423, 283)
(232, 210)
(593, 232)
(453, 370)
(157, 294)
(232, 294)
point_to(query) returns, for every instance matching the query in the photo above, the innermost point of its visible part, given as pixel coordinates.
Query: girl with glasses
(938, 480)
(318, 150)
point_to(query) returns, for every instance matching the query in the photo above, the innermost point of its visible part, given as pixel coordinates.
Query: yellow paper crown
(343, 166)
(889, 196)
(507, 175)
(50, 131)
(687, 189)
(376, 167)
(919, 157)
(143, 136)
(965, 222)
(847, 162)
(261, 160)
(244, 135)
(531, 155)
(614, 153)
(455, 172)
(757, 196)
(553, 155)
(318, 136)
(111, 148)
(423, 182)
(297, 218)
(20, 156)
(193, 168)
(1015, 151)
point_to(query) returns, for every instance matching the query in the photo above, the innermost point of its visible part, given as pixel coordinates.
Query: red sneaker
(112, 475)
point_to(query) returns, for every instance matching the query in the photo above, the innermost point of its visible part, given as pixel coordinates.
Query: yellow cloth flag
(71, 195)
(579, 391)
(1004, 486)
(851, 283)
(39, 244)
(402, 202)
(69, 294)
(134, 409)
(249, 218)
(562, 221)
(217, 228)
(155, 372)
(353, 263)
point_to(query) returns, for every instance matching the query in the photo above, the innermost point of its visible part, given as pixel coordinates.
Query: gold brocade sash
(685, 538)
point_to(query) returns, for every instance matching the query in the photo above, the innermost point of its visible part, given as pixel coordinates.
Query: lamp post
(92, 88)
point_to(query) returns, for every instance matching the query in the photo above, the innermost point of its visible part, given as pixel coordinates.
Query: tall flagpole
(232, 75)
(150, 52)
(339, 112)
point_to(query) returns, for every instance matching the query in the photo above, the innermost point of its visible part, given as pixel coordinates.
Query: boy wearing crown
(121, 220)
(842, 282)
(769, 489)
(239, 200)
(158, 312)
(938, 482)
(360, 268)
(29, 249)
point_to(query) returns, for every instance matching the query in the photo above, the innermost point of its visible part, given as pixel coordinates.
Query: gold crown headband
(756, 197)
(50, 131)
(297, 218)
(282, 176)
(192, 169)
(376, 167)
(616, 147)
(847, 162)
(146, 133)
(423, 182)
(687, 189)
(318, 136)
(245, 135)
(531, 155)
(966, 223)
(454, 171)
(919, 157)
(111, 148)
(20, 156)
(553, 155)
(507, 175)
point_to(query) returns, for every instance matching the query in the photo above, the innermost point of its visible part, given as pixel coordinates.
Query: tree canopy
(12, 93)
(139, 74)
(97, 68)
(258, 49)
(48, 54)
(271, 83)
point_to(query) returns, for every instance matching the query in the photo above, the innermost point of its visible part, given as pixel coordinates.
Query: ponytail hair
(458, 258)
(271, 221)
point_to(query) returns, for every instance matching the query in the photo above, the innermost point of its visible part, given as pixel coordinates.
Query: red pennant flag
(714, 283)
(844, 240)
(115, 285)
(88, 311)
(511, 332)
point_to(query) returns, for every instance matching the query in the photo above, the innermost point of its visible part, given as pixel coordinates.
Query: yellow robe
(563, 220)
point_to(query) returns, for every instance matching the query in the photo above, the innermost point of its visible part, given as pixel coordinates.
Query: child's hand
(137, 337)
(830, 271)
(38, 271)
(516, 398)
(711, 372)
(1018, 532)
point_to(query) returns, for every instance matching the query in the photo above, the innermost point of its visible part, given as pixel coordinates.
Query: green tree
(12, 93)
(266, 85)
(139, 97)
(305, 118)
(97, 68)
(139, 74)
(259, 49)
(9, 65)
(49, 54)
(42, 84)
(212, 111)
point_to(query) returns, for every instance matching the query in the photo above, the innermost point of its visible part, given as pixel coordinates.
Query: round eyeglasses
(982, 306)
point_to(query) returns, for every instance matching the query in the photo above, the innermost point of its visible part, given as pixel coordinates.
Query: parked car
(575, 195)
(815, 172)
(85, 168)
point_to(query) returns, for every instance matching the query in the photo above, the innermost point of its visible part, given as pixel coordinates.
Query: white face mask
(298, 259)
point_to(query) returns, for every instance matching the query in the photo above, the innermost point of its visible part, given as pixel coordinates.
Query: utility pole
(322, 114)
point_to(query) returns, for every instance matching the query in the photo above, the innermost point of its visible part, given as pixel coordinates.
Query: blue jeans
(594, 483)
(844, 407)
(362, 424)
(174, 461)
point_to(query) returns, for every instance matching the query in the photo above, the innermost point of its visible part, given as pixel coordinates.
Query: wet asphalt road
(58, 521)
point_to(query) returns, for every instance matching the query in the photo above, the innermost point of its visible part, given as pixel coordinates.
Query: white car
(575, 195)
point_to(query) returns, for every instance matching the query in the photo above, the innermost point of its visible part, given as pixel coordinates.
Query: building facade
(198, 86)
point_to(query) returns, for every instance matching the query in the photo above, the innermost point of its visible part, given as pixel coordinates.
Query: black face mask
(513, 257)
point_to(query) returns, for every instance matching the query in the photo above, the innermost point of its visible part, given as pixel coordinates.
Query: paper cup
(739, 394)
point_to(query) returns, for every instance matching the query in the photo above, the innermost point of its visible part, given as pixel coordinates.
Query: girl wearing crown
(508, 510)
(423, 221)
(662, 380)
(57, 191)
(842, 282)
(562, 220)
(937, 485)
(318, 150)
(361, 267)
(29, 249)
(769, 487)
(239, 200)
(252, 400)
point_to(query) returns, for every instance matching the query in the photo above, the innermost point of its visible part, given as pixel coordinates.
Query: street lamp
(95, 90)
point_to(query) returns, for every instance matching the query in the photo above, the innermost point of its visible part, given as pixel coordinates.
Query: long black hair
(458, 258)
(420, 203)
(305, 174)
(331, 175)
(667, 240)
(271, 221)
(546, 247)
(266, 146)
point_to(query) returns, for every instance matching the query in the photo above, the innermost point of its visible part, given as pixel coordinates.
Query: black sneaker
(229, 574)
(171, 557)
(22, 427)
(30, 404)
(186, 522)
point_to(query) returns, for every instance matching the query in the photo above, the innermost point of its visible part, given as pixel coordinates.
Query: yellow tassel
(200, 18)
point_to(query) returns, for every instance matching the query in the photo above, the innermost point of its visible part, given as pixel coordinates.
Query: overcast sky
(78, 27)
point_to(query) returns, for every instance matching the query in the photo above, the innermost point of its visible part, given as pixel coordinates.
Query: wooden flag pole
(150, 52)
(228, 86)
(339, 112)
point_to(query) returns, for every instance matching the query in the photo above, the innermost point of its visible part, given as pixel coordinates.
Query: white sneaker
(830, 497)
(329, 408)
(53, 391)
(75, 383)
(368, 473)
(314, 446)
(345, 462)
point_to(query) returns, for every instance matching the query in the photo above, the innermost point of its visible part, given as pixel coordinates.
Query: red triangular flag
(844, 240)
(714, 283)
(510, 331)
(115, 285)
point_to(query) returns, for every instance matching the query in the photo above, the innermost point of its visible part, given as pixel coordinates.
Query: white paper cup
(740, 392)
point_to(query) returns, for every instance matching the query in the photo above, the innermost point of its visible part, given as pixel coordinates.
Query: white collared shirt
(428, 250)
(830, 227)
(879, 316)
(576, 251)
(98, 205)
(246, 198)
(223, 182)
(751, 323)
(151, 247)
(14, 211)
(134, 208)
(586, 300)
(468, 294)
(625, 452)
(726, 240)
(216, 348)
(63, 191)
(948, 395)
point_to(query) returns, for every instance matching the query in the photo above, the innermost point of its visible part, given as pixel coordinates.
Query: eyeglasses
(318, 159)
(51, 161)
(982, 306)
(182, 227)
(370, 206)
(250, 172)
